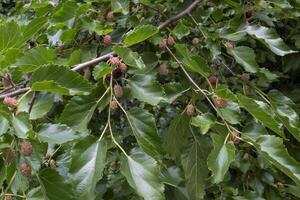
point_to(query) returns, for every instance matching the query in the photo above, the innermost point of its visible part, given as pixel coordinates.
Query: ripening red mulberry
(107, 40)
(213, 80)
(10, 101)
(163, 44)
(26, 148)
(9, 197)
(190, 110)
(113, 105)
(220, 103)
(110, 16)
(235, 137)
(171, 41)
(118, 90)
(26, 169)
(114, 60)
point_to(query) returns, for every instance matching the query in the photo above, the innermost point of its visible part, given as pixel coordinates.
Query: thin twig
(32, 101)
(199, 89)
(179, 15)
(15, 93)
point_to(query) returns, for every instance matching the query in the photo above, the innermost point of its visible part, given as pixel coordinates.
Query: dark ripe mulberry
(163, 44)
(118, 90)
(26, 148)
(107, 40)
(26, 169)
(117, 72)
(171, 41)
(213, 80)
(113, 105)
(220, 103)
(190, 110)
(163, 69)
(248, 14)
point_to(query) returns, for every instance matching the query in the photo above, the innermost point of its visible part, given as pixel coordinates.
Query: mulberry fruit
(118, 91)
(26, 148)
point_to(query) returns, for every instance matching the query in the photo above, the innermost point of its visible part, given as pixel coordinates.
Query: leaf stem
(109, 124)
(103, 132)
(10, 183)
(201, 90)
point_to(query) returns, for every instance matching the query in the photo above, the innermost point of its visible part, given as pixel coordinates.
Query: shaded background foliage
(214, 116)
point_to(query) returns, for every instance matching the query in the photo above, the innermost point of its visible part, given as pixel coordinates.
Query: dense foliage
(149, 99)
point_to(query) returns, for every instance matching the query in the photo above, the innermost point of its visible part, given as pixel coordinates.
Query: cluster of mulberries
(170, 41)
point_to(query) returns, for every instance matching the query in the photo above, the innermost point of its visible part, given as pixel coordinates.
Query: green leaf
(59, 79)
(34, 58)
(54, 186)
(42, 105)
(66, 11)
(231, 112)
(121, 6)
(12, 36)
(35, 194)
(144, 128)
(195, 168)
(139, 34)
(273, 149)
(260, 111)
(78, 112)
(145, 88)
(10, 33)
(4, 111)
(270, 38)
(220, 158)
(287, 115)
(181, 30)
(204, 122)
(141, 172)
(102, 70)
(3, 125)
(178, 133)
(88, 162)
(225, 93)
(21, 124)
(245, 56)
(173, 91)
(293, 189)
(32, 28)
(2, 171)
(39, 150)
(192, 63)
(129, 57)
(56, 134)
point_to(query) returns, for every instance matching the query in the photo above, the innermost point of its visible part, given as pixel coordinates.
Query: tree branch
(15, 93)
(179, 15)
(95, 61)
